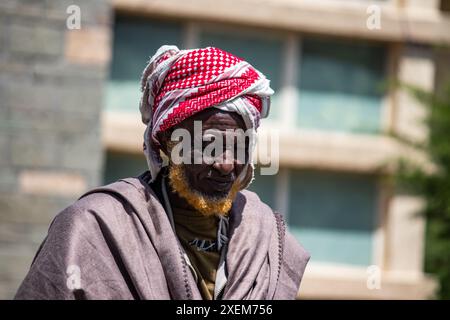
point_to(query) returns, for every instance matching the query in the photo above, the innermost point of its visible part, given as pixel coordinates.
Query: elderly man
(181, 230)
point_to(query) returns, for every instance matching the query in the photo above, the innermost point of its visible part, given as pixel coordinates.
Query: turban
(176, 84)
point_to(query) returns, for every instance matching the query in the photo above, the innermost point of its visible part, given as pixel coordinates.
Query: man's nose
(226, 165)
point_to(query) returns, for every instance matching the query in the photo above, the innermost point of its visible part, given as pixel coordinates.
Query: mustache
(206, 205)
(214, 175)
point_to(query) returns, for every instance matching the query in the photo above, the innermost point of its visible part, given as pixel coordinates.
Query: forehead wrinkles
(215, 118)
(224, 120)
(212, 134)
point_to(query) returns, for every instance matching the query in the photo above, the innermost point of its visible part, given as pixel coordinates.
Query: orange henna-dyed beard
(206, 205)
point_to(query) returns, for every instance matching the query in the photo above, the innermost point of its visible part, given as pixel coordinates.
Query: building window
(120, 165)
(263, 52)
(340, 86)
(135, 40)
(339, 82)
(264, 187)
(334, 215)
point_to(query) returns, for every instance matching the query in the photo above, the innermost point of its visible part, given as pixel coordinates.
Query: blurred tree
(433, 186)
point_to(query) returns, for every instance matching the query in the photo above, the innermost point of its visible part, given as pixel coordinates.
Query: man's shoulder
(253, 199)
(108, 201)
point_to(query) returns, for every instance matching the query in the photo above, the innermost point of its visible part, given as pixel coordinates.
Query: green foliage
(434, 186)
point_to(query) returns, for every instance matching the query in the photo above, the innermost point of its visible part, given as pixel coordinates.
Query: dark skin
(210, 179)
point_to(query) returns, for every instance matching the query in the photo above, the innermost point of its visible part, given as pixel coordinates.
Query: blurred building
(70, 120)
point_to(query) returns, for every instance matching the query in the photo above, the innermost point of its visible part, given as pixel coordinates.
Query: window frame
(114, 138)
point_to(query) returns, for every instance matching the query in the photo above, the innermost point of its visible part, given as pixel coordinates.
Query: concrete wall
(50, 104)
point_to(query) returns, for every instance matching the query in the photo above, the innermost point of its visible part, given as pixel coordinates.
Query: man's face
(215, 179)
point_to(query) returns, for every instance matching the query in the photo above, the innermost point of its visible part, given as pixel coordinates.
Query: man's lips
(219, 183)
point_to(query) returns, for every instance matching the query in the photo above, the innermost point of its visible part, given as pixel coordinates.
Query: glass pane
(263, 186)
(340, 86)
(123, 165)
(334, 215)
(264, 53)
(135, 41)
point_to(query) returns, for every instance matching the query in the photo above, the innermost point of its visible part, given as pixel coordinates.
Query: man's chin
(217, 194)
(217, 202)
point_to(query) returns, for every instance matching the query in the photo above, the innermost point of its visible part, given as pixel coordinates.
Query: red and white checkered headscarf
(177, 84)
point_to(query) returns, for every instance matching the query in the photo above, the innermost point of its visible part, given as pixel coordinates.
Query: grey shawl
(116, 242)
